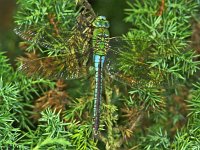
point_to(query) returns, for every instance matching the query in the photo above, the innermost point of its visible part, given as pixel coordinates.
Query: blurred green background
(7, 36)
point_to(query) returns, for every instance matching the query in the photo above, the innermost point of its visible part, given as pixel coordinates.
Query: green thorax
(101, 35)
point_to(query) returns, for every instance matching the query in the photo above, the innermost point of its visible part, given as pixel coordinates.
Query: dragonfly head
(101, 22)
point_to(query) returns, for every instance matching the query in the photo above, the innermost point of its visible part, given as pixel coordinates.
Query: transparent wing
(83, 27)
(125, 60)
(86, 17)
(44, 38)
(53, 36)
(66, 66)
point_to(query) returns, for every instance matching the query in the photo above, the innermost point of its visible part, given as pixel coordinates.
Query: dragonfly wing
(56, 67)
(60, 38)
(71, 41)
(86, 16)
(83, 28)
(122, 61)
(44, 38)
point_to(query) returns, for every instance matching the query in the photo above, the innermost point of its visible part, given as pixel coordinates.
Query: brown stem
(52, 22)
(161, 9)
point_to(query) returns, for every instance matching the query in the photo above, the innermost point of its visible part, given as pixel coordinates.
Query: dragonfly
(87, 46)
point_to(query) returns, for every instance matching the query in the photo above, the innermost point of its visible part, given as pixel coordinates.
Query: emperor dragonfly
(90, 37)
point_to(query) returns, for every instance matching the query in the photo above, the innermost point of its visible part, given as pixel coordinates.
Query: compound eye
(102, 18)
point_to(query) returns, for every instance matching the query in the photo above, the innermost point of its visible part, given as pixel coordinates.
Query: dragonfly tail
(99, 60)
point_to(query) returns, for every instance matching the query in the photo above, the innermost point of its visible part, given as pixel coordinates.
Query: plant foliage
(161, 111)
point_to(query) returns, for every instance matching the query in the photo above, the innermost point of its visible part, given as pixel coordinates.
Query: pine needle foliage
(160, 111)
(16, 93)
(172, 61)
